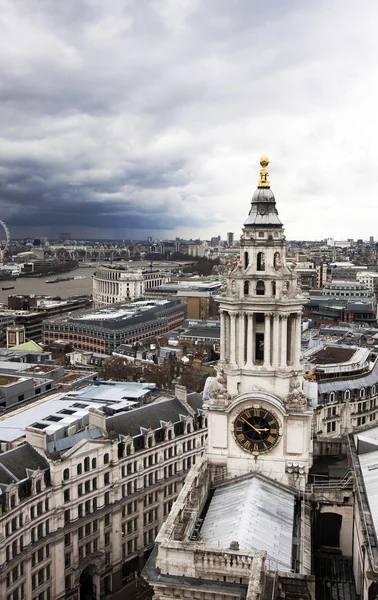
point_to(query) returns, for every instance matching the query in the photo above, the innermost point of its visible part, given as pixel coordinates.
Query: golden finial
(264, 175)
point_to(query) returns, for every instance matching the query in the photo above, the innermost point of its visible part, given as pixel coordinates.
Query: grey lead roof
(151, 415)
(335, 385)
(18, 461)
(263, 209)
(72, 440)
(257, 514)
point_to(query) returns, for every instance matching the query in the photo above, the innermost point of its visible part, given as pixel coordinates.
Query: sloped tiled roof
(152, 415)
(18, 461)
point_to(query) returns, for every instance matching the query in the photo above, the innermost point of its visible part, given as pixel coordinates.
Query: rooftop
(120, 316)
(257, 514)
(15, 464)
(57, 412)
(332, 354)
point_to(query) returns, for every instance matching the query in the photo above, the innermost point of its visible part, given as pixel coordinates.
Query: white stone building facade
(118, 284)
(84, 519)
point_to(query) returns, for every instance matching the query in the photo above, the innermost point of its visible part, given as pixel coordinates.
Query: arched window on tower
(274, 288)
(261, 261)
(260, 288)
(246, 259)
(246, 288)
(277, 260)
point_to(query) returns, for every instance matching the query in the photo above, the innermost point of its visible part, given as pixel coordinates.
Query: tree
(117, 368)
(193, 379)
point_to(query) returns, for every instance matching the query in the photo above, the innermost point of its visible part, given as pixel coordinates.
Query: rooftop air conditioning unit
(72, 429)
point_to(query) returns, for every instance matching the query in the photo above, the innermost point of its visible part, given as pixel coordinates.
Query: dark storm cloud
(125, 115)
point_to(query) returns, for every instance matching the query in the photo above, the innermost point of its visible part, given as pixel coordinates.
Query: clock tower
(257, 413)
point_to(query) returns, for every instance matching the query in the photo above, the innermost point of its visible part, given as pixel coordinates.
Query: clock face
(256, 430)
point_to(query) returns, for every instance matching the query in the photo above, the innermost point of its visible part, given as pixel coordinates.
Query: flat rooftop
(121, 313)
(332, 354)
(55, 413)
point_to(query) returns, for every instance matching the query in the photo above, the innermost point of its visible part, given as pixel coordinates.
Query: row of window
(348, 394)
(87, 549)
(18, 594)
(40, 577)
(87, 465)
(149, 536)
(15, 573)
(18, 545)
(331, 426)
(129, 527)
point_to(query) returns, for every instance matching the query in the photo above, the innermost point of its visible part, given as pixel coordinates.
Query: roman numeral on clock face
(256, 430)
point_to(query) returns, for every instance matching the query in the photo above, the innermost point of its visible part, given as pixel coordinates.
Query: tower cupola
(263, 211)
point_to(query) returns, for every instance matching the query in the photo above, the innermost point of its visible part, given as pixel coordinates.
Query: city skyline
(124, 121)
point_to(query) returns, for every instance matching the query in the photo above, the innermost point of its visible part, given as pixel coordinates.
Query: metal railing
(346, 481)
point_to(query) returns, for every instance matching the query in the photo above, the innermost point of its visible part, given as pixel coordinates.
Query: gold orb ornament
(264, 175)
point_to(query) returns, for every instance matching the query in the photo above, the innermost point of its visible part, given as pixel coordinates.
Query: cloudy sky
(129, 118)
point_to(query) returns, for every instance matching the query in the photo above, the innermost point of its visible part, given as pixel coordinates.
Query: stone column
(222, 335)
(267, 357)
(283, 340)
(233, 339)
(296, 338)
(250, 334)
(241, 340)
(276, 339)
(227, 336)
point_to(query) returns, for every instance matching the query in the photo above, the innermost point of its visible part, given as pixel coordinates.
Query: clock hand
(250, 425)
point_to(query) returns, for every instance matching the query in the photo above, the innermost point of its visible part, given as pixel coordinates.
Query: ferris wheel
(4, 236)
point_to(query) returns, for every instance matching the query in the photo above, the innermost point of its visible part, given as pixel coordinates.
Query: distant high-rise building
(371, 239)
(64, 236)
(230, 239)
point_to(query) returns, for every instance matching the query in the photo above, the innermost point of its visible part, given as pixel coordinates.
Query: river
(38, 285)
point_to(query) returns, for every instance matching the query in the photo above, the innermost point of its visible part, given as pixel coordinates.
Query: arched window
(38, 486)
(66, 474)
(332, 397)
(261, 261)
(170, 434)
(94, 463)
(347, 394)
(128, 449)
(86, 463)
(79, 469)
(189, 429)
(277, 260)
(246, 259)
(362, 393)
(106, 458)
(246, 288)
(150, 442)
(274, 288)
(260, 288)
